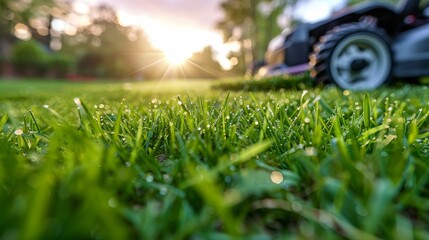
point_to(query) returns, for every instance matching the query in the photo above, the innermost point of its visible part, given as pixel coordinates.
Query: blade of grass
(366, 111)
(3, 120)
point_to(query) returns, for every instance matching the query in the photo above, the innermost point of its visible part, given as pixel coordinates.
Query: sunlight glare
(126, 20)
(176, 57)
(178, 43)
(22, 31)
(80, 8)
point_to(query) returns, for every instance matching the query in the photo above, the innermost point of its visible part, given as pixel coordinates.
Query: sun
(177, 42)
(176, 57)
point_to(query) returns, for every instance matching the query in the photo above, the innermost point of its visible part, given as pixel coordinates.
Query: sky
(181, 27)
(198, 13)
(205, 13)
(315, 10)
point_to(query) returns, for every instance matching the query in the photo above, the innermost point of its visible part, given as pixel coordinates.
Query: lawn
(181, 160)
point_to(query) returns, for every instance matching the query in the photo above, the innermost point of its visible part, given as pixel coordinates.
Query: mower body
(405, 31)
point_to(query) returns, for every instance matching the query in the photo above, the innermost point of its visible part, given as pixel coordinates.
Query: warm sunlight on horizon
(180, 42)
(176, 58)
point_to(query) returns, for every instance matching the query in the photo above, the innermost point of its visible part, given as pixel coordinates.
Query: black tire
(354, 56)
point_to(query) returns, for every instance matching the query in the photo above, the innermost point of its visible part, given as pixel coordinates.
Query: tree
(253, 23)
(23, 19)
(106, 49)
(13, 12)
(202, 65)
(30, 57)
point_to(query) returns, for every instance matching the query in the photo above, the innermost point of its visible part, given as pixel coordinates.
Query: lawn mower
(361, 48)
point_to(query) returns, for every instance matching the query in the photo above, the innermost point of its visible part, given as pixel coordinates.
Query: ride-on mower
(361, 48)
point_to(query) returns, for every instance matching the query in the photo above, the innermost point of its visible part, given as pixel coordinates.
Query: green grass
(173, 161)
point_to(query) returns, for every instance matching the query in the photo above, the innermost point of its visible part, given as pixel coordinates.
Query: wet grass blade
(286, 164)
(3, 120)
(366, 111)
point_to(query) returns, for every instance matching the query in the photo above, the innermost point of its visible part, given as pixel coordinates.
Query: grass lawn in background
(180, 160)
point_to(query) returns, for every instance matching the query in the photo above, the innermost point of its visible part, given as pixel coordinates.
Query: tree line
(55, 39)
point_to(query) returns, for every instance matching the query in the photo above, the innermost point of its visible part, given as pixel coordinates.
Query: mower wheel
(354, 56)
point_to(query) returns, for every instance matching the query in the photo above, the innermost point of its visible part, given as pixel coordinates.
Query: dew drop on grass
(228, 179)
(276, 177)
(112, 203)
(311, 152)
(166, 177)
(307, 120)
(19, 132)
(361, 211)
(304, 93)
(77, 101)
(34, 158)
(163, 191)
(149, 178)
(46, 106)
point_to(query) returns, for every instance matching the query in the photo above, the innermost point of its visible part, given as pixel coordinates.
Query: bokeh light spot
(276, 177)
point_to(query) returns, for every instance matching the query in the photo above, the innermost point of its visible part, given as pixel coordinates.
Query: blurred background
(84, 40)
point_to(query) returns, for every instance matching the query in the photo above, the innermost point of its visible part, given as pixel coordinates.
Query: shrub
(61, 63)
(297, 82)
(30, 56)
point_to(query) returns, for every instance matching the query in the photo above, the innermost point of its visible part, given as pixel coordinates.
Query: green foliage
(30, 55)
(202, 65)
(298, 82)
(62, 63)
(254, 22)
(31, 58)
(124, 161)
